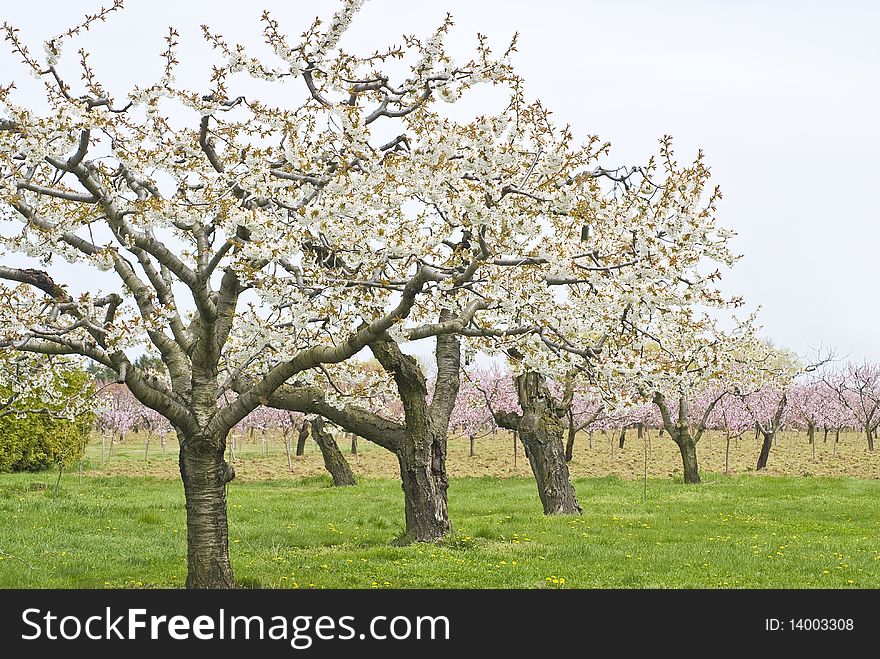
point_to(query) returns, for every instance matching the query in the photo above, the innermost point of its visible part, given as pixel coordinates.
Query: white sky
(783, 97)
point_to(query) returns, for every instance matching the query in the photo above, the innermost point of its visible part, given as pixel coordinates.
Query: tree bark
(205, 474)
(540, 430)
(472, 448)
(569, 443)
(622, 438)
(811, 432)
(688, 449)
(301, 439)
(334, 461)
(765, 451)
(424, 483)
(354, 444)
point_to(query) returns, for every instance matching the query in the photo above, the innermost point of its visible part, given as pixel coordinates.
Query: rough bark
(681, 433)
(540, 430)
(422, 454)
(572, 432)
(334, 461)
(205, 474)
(688, 449)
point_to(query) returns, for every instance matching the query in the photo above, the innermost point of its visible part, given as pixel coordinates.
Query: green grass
(728, 532)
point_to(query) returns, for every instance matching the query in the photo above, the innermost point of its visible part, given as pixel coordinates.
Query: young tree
(762, 383)
(682, 369)
(857, 387)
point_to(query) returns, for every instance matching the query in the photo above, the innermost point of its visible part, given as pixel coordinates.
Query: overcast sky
(783, 96)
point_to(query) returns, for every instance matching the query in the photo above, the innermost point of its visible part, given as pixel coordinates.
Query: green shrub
(36, 441)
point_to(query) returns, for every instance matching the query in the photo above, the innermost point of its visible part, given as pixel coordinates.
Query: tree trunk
(811, 433)
(472, 448)
(622, 437)
(287, 441)
(303, 436)
(727, 454)
(640, 428)
(825, 438)
(540, 430)
(765, 451)
(334, 461)
(205, 474)
(354, 444)
(569, 443)
(424, 482)
(688, 449)
(870, 434)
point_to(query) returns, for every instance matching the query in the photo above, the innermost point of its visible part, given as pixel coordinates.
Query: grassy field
(737, 531)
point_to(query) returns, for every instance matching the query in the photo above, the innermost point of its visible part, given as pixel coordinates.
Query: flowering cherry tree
(762, 382)
(646, 253)
(249, 242)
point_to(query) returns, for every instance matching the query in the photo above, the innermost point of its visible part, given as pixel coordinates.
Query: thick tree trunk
(870, 434)
(334, 461)
(205, 474)
(622, 438)
(424, 482)
(301, 439)
(811, 433)
(472, 448)
(765, 451)
(540, 430)
(688, 449)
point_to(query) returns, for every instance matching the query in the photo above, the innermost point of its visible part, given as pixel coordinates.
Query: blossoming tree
(253, 242)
